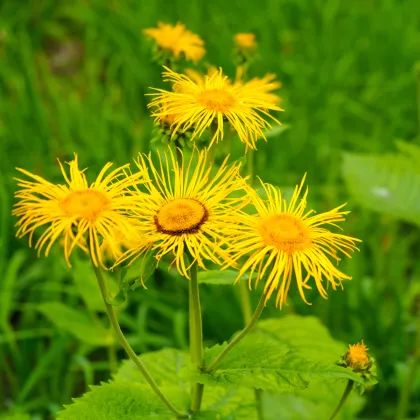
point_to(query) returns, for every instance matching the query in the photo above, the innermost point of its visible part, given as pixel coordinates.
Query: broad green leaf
(76, 323)
(122, 401)
(164, 365)
(316, 402)
(167, 367)
(134, 401)
(387, 183)
(226, 277)
(306, 334)
(258, 362)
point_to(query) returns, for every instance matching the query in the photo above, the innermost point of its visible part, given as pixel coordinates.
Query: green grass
(73, 76)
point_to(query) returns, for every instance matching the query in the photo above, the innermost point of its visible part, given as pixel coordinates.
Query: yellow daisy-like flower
(200, 78)
(187, 209)
(261, 86)
(245, 41)
(283, 239)
(357, 356)
(177, 40)
(82, 215)
(199, 105)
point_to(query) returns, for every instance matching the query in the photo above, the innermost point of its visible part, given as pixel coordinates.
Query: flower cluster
(180, 208)
(186, 209)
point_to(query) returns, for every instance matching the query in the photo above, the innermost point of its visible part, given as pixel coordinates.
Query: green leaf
(226, 277)
(307, 334)
(257, 362)
(387, 183)
(167, 368)
(281, 355)
(316, 402)
(164, 365)
(76, 323)
(276, 130)
(85, 280)
(122, 401)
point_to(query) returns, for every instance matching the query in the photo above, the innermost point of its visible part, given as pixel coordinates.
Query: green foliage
(123, 401)
(266, 360)
(165, 366)
(17, 416)
(316, 402)
(72, 79)
(304, 333)
(130, 397)
(76, 323)
(217, 277)
(389, 183)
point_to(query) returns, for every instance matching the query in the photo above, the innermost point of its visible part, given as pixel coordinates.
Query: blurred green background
(73, 76)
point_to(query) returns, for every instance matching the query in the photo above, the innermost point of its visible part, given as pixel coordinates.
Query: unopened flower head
(199, 105)
(186, 209)
(357, 356)
(80, 214)
(177, 40)
(359, 360)
(245, 41)
(283, 241)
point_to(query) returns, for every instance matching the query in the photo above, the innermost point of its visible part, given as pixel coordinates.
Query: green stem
(346, 393)
(408, 386)
(259, 403)
(239, 337)
(126, 346)
(196, 334)
(112, 357)
(417, 71)
(250, 159)
(245, 302)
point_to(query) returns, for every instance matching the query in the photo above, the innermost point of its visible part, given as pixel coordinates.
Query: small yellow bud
(245, 41)
(357, 356)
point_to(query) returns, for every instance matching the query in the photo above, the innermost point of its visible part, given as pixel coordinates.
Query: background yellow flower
(177, 40)
(199, 105)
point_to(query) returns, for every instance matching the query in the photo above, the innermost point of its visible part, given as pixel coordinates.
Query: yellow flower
(261, 87)
(245, 41)
(283, 239)
(177, 40)
(82, 215)
(187, 209)
(357, 356)
(199, 77)
(199, 105)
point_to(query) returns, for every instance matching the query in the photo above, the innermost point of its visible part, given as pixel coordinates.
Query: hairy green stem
(213, 365)
(196, 334)
(346, 393)
(126, 346)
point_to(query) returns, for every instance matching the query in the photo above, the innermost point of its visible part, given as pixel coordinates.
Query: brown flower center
(217, 100)
(285, 232)
(87, 204)
(182, 215)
